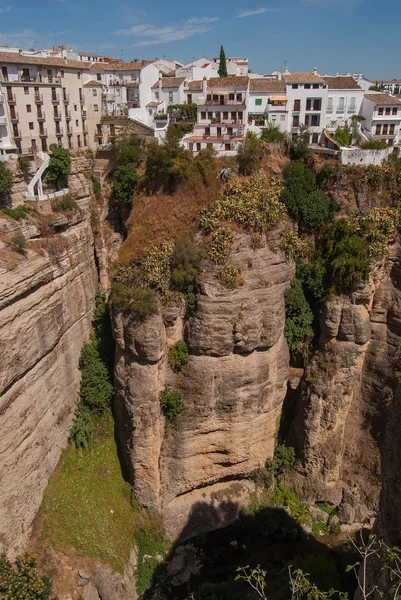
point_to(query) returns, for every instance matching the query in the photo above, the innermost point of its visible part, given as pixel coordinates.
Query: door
(4, 73)
(9, 94)
(222, 100)
(189, 98)
(33, 142)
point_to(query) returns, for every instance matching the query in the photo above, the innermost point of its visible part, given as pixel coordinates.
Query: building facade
(382, 117)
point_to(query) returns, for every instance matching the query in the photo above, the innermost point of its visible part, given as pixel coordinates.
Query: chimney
(160, 85)
(315, 70)
(204, 86)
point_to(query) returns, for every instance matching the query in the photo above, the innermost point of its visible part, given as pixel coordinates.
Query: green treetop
(223, 63)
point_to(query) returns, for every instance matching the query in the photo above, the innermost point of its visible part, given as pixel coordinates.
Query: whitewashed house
(307, 103)
(6, 146)
(222, 116)
(382, 117)
(344, 100)
(198, 69)
(169, 90)
(267, 102)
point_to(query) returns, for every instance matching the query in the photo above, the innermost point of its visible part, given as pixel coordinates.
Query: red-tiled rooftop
(382, 99)
(341, 83)
(266, 85)
(303, 77)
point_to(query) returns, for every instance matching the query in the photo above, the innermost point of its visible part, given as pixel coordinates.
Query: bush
(272, 133)
(347, 256)
(124, 183)
(127, 150)
(342, 135)
(24, 166)
(81, 432)
(96, 390)
(299, 146)
(6, 179)
(317, 208)
(64, 204)
(171, 403)
(144, 303)
(185, 267)
(229, 275)
(97, 189)
(178, 356)
(374, 145)
(286, 499)
(284, 458)
(298, 321)
(22, 581)
(17, 213)
(59, 166)
(312, 276)
(150, 543)
(18, 243)
(120, 296)
(249, 154)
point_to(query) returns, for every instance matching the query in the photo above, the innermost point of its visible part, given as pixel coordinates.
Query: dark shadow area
(204, 567)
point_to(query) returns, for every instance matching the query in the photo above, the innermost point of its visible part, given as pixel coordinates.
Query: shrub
(272, 133)
(144, 303)
(96, 390)
(81, 432)
(18, 243)
(284, 458)
(6, 179)
(124, 183)
(171, 403)
(120, 296)
(342, 135)
(374, 145)
(312, 276)
(17, 213)
(150, 543)
(97, 189)
(298, 321)
(178, 356)
(229, 275)
(24, 166)
(64, 204)
(185, 267)
(347, 256)
(317, 208)
(249, 154)
(59, 166)
(299, 146)
(220, 244)
(271, 524)
(127, 150)
(22, 581)
(283, 497)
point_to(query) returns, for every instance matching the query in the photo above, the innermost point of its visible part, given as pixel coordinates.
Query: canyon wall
(233, 387)
(46, 305)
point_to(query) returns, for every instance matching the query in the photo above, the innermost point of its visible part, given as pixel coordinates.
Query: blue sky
(334, 35)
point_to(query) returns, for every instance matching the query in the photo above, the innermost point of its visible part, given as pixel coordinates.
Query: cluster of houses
(82, 100)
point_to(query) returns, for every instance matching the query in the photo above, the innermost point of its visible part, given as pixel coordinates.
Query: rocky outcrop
(233, 388)
(343, 403)
(46, 304)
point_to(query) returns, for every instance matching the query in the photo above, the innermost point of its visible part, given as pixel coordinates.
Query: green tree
(59, 166)
(272, 133)
(178, 356)
(6, 179)
(347, 256)
(126, 150)
(222, 63)
(81, 432)
(96, 390)
(342, 135)
(185, 267)
(170, 402)
(298, 321)
(124, 182)
(249, 154)
(22, 580)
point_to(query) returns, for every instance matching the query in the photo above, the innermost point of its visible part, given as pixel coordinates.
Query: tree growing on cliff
(222, 63)
(6, 180)
(59, 166)
(124, 182)
(298, 321)
(22, 580)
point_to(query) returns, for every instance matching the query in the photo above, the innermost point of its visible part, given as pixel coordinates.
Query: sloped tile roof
(382, 99)
(266, 85)
(232, 81)
(194, 86)
(303, 77)
(169, 82)
(20, 59)
(341, 83)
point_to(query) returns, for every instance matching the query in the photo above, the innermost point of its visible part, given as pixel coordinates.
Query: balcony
(225, 137)
(11, 98)
(117, 82)
(68, 115)
(42, 132)
(16, 134)
(340, 109)
(3, 120)
(217, 121)
(55, 99)
(59, 131)
(66, 98)
(57, 117)
(81, 100)
(39, 98)
(70, 131)
(14, 118)
(41, 116)
(98, 136)
(220, 103)
(329, 109)
(351, 109)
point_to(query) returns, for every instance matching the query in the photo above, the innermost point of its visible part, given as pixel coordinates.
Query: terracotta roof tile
(341, 83)
(232, 81)
(382, 99)
(135, 65)
(194, 86)
(303, 77)
(153, 103)
(93, 83)
(266, 85)
(19, 59)
(169, 82)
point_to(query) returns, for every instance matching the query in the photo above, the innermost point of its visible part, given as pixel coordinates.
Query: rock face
(46, 305)
(342, 407)
(233, 388)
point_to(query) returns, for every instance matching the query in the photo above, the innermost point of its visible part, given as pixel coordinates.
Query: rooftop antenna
(122, 54)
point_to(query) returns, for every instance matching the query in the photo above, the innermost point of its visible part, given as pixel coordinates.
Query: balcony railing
(70, 131)
(55, 98)
(14, 117)
(329, 109)
(340, 109)
(3, 120)
(39, 98)
(57, 117)
(42, 132)
(41, 116)
(226, 137)
(28, 79)
(60, 131)
(68, 115)
(351, 109)
(16, 134)
(81, 100)
(220, 103)
(66, 98)
(11, 98)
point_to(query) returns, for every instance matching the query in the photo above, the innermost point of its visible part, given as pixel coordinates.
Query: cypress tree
(223, 64)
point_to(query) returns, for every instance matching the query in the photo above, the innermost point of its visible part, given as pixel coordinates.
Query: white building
(382, 117)
(198, 69)
(6, 147)
(344, 100)
(307, 103)
(235, 66)
(267, 102)
(221, 116)
(169, 90)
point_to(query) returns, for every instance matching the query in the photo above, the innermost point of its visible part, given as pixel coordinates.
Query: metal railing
(41, 116)
(55, 98)
(11, 97)
(57, 116)
(14, 116)
(224, 103)
(66, 98)
(39, 98)
(42, 132)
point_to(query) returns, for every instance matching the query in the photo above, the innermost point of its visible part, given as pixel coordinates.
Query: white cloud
(5, 9)
(171, 33)
(249, 13)
(24, 37)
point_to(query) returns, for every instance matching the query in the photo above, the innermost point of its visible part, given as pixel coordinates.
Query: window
(312, 120)
(170, 97)
(340, 106)
(76, 122)
(381, 111)
(258, 102)
(307, 86)
(315, 86)
(31, 126)
(394, 110)
(378, 129)
(392, 129)
(352, 103)
(157, 95)
(150, 111)
(79, 75)
(240, 115)
(28, 108)
(75, 107)
(203, 115)
(313, 104)
(315, 138)
(297, 105)
(294, 86)
(59, 142)
(99, 76)
(282, 117)
(96, 108)
(388, 111)
(26, 90)
(295, 121)
(329, 104)
(239, 97)
(62, 73)
(225, 116)
(118, 91)
(94, 92)
(385, 129)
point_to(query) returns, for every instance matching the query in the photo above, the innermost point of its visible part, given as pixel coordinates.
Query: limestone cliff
(46, 303)
(342, 405)
(233, 388)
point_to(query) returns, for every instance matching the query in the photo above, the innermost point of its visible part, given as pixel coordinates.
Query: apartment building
(45, 102)
(235, 65)
(198, 69)
(382, 117)
(344, 100)
(169, 90)
(6, 146)
(307, 101)
(393, 86)
(221, 116)
(267, 102)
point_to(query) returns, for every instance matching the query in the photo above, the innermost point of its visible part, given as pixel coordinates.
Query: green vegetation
(81, 432)
(375, 88)
(96, 390)
(124, 182)
(298, 321)
(127, 150)
(150, 545)
(87, 503)
(249, 154)
(222, 63)
(183, 111)
(170, 402)
(185, 267)
(303, 199)
(22, 581)
(229, 276)
(97, 189)
(299, 145)
(167, 164)
(6, 179)
(59, 166)
(64, 204)
(342, 135)
(17, 213)
(374, 145)
(283, 498)
(284, 458)
(24, 166)
(178, 356)
(272, 133)
(312, 275)
(18, 243)
(347, 255)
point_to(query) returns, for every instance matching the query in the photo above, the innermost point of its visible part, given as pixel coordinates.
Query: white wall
(302, 94)
(149, 76)
(351, 156)
(337, 117)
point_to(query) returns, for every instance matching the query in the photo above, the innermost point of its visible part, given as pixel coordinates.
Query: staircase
(37, 178)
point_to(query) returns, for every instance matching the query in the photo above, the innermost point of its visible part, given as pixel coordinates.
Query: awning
(278, 98)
